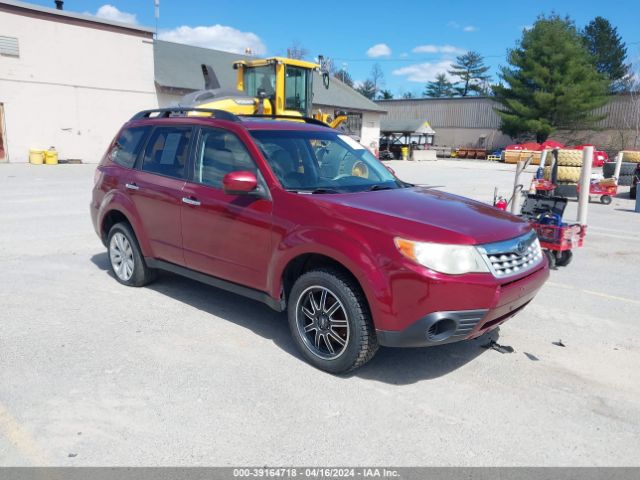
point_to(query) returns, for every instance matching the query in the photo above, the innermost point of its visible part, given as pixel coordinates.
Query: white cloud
(379, 50)
(404, 55)
(109, 12)
(465, 28)
(446, 49)
(423, 72)
(219, 37)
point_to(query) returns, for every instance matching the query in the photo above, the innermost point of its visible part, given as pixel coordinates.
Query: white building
(69, 80)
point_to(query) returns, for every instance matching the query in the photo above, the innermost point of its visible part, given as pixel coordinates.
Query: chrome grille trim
(512, 257)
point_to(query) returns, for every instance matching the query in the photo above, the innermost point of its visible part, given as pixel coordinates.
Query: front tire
(125, 257)
(330, 321)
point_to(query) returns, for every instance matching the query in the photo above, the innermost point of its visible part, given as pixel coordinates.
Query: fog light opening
(441, 330)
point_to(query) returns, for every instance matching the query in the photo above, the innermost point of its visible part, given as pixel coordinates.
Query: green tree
(385, 95)
(550, 82)
(471, 71)
(344, 77)
(608, 51)
(438, 88)
(367, 88)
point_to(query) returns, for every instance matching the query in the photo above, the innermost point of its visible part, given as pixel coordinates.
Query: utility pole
(344, 70)
(156, 5)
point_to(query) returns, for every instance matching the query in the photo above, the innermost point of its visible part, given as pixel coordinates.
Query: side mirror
(239, 183)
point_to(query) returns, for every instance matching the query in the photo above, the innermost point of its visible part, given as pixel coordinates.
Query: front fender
(354, 254)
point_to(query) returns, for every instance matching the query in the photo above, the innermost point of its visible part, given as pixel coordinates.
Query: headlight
(443, 258)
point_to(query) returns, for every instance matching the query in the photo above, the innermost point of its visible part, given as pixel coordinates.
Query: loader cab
(285, 84)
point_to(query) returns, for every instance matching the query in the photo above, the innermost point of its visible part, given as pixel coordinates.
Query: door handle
(132, 186)
(191, 201)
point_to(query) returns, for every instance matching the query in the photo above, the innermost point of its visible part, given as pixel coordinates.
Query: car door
(227, 236)
(156, 190)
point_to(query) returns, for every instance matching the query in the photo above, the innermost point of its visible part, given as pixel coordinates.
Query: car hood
(422, 213)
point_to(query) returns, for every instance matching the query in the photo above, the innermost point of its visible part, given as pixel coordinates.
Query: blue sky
(411, 40)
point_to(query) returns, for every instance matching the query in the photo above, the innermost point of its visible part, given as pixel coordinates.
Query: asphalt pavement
(179, 373)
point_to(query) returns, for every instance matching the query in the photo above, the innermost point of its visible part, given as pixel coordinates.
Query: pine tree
(471, 71)
(551, 82)
(344, 76)
(385, 95)
(440, 87)
(608, 50)
(368, 89)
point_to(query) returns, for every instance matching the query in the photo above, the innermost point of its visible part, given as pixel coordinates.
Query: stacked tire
(569, 167)
(627, 171)
(631, 156)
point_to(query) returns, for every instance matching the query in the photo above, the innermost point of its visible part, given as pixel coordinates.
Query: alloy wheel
(121, 255)
(322, 322)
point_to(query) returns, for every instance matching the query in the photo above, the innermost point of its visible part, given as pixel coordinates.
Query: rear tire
(605, 199)
(125, 257)
(330, 321)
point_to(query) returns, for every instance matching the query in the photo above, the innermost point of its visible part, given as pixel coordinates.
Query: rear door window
(128, 146)
(167, 151)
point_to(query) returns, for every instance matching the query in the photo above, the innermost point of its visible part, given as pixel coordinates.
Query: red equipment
(606, 188)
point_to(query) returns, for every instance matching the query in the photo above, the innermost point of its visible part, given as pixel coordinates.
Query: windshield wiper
(313, 190)
(379, 187)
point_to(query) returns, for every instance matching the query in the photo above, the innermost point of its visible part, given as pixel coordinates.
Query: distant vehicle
(298, 216)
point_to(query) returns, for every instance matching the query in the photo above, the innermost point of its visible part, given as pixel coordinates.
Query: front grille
(514, 256)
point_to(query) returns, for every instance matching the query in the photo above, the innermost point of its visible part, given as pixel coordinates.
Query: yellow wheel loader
(279, 87)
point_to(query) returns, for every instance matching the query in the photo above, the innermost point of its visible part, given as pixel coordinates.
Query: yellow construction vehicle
(280, 87)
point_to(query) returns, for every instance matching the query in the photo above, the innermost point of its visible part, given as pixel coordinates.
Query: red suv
(305, 219)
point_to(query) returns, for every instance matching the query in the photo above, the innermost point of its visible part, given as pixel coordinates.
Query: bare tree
(377, 77)
(297, 51)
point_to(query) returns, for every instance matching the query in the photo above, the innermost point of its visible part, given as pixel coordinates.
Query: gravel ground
(178, 373)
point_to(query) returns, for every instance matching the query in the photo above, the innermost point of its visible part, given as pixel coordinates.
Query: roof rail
(313, 121)
(182, 111)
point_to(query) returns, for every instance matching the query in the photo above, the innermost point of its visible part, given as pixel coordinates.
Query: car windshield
(322, 162)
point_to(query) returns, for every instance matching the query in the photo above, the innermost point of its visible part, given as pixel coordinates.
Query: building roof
(66, 15)
(388, 125)
(178, 66)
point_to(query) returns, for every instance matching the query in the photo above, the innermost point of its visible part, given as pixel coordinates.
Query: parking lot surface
(179, 373)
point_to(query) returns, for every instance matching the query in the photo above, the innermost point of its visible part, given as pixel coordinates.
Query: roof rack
(312, 121)
(182, 111)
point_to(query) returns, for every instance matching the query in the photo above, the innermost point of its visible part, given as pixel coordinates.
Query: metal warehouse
(473, 122)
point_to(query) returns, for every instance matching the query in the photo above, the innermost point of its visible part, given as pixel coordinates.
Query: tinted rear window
(167, 151)
(128, 145)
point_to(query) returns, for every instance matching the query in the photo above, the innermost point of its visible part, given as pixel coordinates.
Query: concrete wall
(73, 85)
(167, 99)
(370, 134)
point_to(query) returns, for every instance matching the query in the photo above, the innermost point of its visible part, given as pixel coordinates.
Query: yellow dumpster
(405, 152)
(36, 156)
(51, 156)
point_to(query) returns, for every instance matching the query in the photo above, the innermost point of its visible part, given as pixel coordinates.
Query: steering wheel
(342, 175)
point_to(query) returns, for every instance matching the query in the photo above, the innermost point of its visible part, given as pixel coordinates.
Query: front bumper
(441, 327)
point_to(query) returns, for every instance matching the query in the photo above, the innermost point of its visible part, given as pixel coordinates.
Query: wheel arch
(328, 250)
(115, 208)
